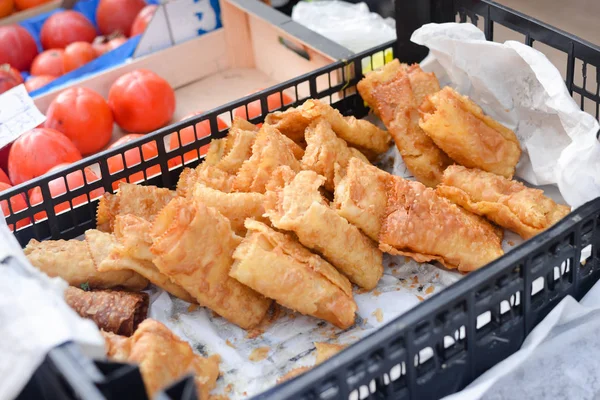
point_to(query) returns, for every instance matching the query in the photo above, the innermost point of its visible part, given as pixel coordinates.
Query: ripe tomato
(117, 15)
(25, 4)
(186, 135)
(4, 177)
(132, 158)
(36, 82)
(57, 188)
(143, 19)
(83, 116)
(4, 156)
(9, 78)
(104, 44)
(64, 28)
(78, 54)
(38, 150)
(49, 62)
(17, 203)
(18, 47)
(141, 101)
(273, 102)
(6, 8)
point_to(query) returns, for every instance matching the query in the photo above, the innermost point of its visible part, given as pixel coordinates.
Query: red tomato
(57, 188)
(17, 203)
(83, 116)
(117, 15)
(273, 102)
(38, 150)
(64, 28)
(36, 82)
(78, 54)
(186, 135)
(132, 158)
(141, 101)
(4, 177)
(18, 47)
(49, 62)
(143, 19)
(9, 78)
(4, 151)
(25, 4)
(6, 8)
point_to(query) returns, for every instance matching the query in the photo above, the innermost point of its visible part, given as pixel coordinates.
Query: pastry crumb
(259, 354)
(378, 314)
(228, 343)
(192, 307)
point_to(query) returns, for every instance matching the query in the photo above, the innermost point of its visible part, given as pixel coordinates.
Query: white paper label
(18, 114)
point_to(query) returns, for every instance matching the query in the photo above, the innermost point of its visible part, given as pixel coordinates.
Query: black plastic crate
(438, 347)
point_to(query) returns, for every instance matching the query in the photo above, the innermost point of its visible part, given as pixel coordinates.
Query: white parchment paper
(34, 319)
(519, 87)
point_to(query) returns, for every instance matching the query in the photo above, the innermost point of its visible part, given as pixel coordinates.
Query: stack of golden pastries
(293, 212)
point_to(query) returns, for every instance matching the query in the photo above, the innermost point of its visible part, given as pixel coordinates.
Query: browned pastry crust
(113, 311)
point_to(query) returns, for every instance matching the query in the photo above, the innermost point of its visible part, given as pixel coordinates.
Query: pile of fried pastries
(294, 212)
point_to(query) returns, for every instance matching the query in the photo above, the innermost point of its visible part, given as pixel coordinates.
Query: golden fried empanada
(193, 245)
(459, 127)
(426, 227)
(299, 207)
(238, 150)
(389, 93)
(209, 175)
(509, 204)
(422, 83)
(133, 253)
(359, 133)
(142, 201)
(163, 358)
(236, 207)
(361, 196)
(305, 282)
(270, 151)
(324, 150)
(216, 151)
(240, 123)
(71, 260)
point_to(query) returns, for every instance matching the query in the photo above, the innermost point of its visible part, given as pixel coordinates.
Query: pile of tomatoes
(69, 41)
(80, 122)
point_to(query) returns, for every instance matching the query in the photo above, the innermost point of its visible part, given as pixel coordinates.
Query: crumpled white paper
(350, 25)
(518, 86)
(34, 319)
(558, 360)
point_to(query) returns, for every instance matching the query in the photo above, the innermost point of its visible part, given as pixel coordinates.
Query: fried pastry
(361, 196)
(240, 123)
(422, 83)
(133, 253)
(238, 150)
(71, 260)
(305, 282)
(163, 358)
(427, 227)
(142, 201)
(236, 207)
(216, 151)
(324, 150)
(209, 175)
(359, 133)
(193, 245)
(300, 207)
(112, 310)
(269, 151)
(389, 93)
(459, 127)
(509, 204)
